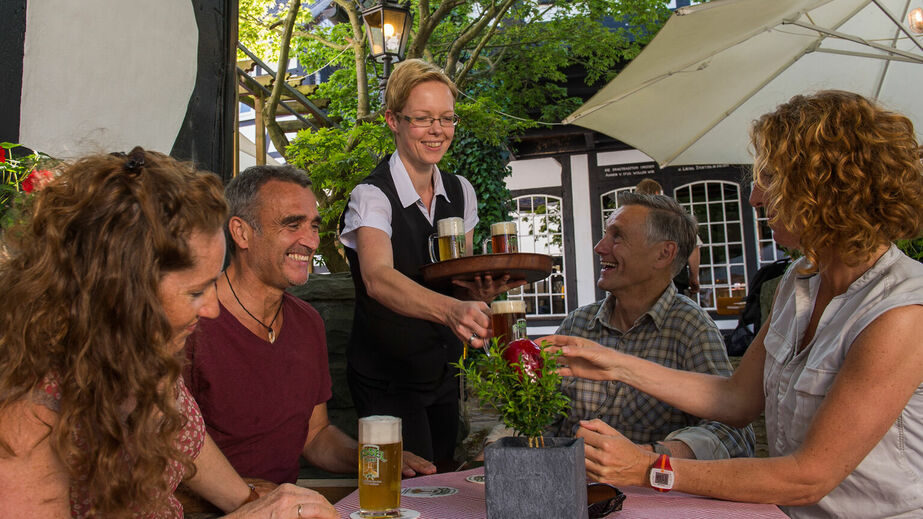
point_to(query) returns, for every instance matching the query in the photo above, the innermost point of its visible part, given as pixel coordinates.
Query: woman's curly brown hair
(841, 172)
(80, 305)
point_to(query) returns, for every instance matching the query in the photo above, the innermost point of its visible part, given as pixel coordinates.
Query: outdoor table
(468, 502)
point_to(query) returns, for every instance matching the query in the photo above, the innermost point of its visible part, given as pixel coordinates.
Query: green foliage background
(510, 73)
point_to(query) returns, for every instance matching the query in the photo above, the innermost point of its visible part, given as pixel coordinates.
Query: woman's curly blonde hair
(80, 306)
(840, 172)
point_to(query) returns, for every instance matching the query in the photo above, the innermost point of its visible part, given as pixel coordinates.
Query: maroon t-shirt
(257, 397)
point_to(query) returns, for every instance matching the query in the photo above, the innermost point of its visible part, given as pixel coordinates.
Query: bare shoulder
(897, 327)
(24, 426)
(886, 355)
(33, 481)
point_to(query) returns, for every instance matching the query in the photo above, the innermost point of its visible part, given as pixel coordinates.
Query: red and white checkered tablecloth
(641, 503)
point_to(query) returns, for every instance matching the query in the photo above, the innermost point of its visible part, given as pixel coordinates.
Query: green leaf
(526, 405)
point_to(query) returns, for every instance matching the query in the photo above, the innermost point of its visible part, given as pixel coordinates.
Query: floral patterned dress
(190, 441)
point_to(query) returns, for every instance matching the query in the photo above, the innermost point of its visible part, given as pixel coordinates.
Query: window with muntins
(722, 270)
(609, 202)
(766, 248)
(540, 223)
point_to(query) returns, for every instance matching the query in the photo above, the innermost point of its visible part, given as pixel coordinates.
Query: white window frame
(549, 293)
(709, 271)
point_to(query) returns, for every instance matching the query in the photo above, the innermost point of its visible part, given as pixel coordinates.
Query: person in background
(404, 334)
(646, 239)
(259, 369)
(687, 280)
(838, 367)
(107, 276)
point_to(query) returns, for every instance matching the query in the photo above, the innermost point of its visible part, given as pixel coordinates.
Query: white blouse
(369, 207)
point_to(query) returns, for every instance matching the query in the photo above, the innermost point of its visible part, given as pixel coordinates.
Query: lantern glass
(387, 26)
(915, 20)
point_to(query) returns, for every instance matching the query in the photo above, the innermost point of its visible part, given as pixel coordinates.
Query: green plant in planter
(20, 176)
(528, 400)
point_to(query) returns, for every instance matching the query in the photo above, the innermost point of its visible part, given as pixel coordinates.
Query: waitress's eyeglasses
(426, 122)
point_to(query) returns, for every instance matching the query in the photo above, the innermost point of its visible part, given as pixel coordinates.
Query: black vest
(385, 345)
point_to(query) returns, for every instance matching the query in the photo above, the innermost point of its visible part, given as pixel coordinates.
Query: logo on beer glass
(450, 236)
(508, 320)
(380, 463)
(503, 239)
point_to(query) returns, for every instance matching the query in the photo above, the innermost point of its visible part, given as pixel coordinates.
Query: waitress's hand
(288, 502)
(469, 321)
(487, 288)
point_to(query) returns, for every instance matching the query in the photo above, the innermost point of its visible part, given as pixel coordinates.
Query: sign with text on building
(649, 168)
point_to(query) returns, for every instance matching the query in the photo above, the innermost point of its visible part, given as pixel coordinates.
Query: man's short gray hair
(242, 192)
(666, 221)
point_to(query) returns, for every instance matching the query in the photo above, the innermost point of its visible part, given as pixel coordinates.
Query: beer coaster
(428, 491)
(406, 513)
(476, 478)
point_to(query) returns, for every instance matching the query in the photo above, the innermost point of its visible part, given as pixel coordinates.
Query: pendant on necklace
(272, 336)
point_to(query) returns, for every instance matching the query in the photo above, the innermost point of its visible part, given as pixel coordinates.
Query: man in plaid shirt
(647, 241)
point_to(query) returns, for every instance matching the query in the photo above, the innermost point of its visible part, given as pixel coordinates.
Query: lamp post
(387, 26)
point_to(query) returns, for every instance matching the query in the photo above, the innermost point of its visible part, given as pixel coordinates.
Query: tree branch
(323, 41)
(276, 135)
(358, 44)
(471, 32)
(428, 23)
(460, 78)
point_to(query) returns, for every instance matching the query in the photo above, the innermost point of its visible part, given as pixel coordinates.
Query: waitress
(405, 335)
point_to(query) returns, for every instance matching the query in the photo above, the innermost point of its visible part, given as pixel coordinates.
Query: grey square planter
(538, 483)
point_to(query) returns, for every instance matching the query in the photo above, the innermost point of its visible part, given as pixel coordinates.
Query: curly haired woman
(838, 369)
(106, 277)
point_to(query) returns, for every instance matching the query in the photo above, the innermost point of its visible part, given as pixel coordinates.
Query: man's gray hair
(242, 192)
(666, 221)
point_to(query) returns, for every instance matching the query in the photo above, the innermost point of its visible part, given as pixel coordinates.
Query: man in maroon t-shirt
(259, 371)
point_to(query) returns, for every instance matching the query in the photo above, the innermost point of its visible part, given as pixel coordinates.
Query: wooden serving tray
(521, 265)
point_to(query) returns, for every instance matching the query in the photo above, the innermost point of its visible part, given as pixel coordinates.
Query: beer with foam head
(380, 451)
(450, 236)
(503, 238)
(508, 320)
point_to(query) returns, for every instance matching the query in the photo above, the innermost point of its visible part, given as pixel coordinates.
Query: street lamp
(387, 26)
(915, 20)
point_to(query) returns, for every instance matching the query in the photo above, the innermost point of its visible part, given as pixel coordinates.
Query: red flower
(2, 154)
(37, 180)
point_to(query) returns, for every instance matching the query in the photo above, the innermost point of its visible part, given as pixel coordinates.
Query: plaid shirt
(676, 333)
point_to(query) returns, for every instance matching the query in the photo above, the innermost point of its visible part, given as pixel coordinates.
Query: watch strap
(661, 477)
(661, 448)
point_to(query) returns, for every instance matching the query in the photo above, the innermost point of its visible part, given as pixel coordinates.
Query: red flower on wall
(37, 180)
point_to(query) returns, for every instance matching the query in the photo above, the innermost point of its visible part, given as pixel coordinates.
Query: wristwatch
(662, 474)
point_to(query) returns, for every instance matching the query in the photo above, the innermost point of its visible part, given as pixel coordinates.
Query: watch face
(661, 478)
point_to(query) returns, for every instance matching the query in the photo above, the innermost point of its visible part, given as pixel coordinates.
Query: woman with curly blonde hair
(838, 367)
(106, 276)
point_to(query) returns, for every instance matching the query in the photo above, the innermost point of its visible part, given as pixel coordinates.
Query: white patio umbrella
(691, 94)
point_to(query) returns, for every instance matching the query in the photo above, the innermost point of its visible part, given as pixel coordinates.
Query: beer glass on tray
(450, 237)
(503, 239)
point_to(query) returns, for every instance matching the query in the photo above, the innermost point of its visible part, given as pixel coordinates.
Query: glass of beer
(503, 238)
(450, 235)
(508, 320)
(380, 464)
